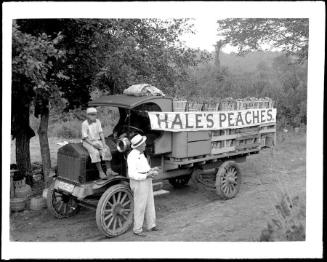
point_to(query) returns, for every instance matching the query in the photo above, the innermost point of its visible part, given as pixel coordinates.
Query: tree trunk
(44, 143)
(23, 158)
(218, 46)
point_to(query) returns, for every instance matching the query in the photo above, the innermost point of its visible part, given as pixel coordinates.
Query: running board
(160, 192)
(157, 186)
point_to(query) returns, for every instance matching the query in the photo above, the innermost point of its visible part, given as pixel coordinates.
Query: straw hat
(137, 140)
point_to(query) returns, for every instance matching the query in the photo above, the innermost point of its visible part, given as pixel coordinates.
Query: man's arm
(101, 133)
(102, 139)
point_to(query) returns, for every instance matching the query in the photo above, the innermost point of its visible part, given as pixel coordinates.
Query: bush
(68, 125)
(69, 129)
(289, 224)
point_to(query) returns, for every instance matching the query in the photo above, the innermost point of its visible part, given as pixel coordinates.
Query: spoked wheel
(228, 180)
(61, 205)
(180, 181)
(114, 214)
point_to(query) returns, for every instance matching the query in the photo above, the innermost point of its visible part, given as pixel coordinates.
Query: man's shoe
(140, 234)
(103, 175)
(110, 172)
(154, 229)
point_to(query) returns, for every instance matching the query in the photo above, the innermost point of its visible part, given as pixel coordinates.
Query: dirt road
(191, 213)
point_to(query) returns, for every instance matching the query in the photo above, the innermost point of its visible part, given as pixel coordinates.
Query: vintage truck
(208, 155)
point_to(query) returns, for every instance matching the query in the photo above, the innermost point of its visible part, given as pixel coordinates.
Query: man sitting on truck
(94, 142)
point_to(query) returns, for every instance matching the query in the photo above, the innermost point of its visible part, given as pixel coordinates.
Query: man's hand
(153, 172)
(97, 145)
(155, 168)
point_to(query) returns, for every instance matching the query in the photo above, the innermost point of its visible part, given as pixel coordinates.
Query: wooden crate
(194, 106)
(198, 148)
(227, 105)
(179, 105)
(198, 135)
(190, 144)
(210, 106)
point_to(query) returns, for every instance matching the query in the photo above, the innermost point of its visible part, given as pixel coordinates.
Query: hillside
(247, 63)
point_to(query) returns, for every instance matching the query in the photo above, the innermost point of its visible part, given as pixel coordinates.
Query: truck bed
(207, 146)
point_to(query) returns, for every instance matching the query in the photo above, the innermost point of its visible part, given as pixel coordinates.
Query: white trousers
(143, 204)
(95, 153)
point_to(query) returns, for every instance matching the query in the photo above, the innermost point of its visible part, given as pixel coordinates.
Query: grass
(288, 220)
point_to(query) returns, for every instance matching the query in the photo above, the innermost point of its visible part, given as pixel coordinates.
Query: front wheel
(61, 205)
(228, 180)
(114, 214)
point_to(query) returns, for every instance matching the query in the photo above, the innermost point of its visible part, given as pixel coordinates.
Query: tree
(249, 34)
(71, 57)
(31, 62)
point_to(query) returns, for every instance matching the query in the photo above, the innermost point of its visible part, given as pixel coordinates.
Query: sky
(205, 36)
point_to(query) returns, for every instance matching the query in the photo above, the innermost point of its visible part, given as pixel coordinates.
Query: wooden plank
(222, 150)
(198, 135)
(226, 137)
(247, 136)
(213, 157)
(248, 129)
(160, 192)
(267, 124)
(170, 165)
(179, 145)
(173, 173)
(157, 186)
(198, 148)
(267, 131)
(246, 146)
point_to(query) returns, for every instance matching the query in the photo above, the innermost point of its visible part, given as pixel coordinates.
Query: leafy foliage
(259, 74)
(249, 34)
(111, 54)
(32, 60)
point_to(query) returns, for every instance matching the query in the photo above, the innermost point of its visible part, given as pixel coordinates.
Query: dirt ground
(190, 213)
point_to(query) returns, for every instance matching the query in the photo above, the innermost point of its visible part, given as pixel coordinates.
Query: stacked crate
(227, 104)
(201, 143)
(179, 105)
(194, 106)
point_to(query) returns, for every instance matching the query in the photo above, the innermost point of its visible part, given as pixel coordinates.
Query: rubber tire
(183, 180)
(51, 208)
(221, 171)
(103, 202)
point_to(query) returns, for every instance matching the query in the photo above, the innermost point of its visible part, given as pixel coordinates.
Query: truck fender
(111, 181)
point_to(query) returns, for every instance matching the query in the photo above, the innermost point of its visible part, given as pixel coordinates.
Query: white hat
(137, 141)
(91, 110)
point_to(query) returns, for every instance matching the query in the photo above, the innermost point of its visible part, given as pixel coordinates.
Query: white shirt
(138, 165)
(91, 131)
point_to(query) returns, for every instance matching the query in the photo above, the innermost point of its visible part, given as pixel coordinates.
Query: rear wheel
(228, 180)
(114, 214)
(61, 205)
(179, 181)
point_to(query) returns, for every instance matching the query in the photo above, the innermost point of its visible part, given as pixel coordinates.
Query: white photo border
(311, 248)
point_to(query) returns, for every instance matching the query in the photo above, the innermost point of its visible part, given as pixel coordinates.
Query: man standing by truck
(141, 174)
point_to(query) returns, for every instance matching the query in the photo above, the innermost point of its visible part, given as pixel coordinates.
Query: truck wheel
(228, 180)
(61, 205)
(114, 214)
(180, 181)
